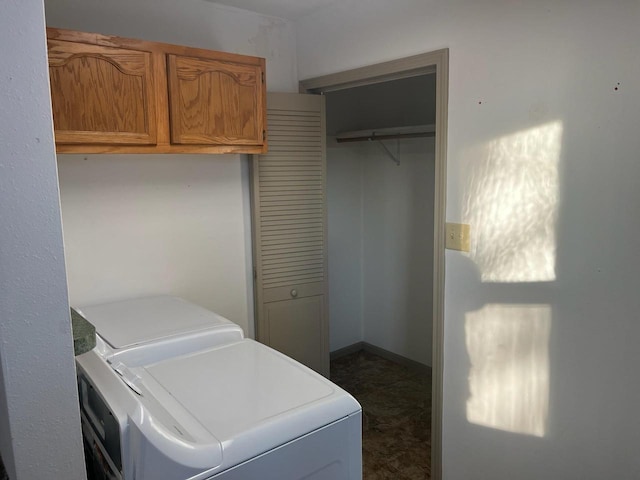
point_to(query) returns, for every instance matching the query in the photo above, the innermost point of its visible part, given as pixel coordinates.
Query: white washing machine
(173, 391)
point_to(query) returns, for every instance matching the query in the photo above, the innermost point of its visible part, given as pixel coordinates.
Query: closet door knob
(294, 293)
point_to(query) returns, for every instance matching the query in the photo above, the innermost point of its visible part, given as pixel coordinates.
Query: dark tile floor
(3, 473)
(396, 404)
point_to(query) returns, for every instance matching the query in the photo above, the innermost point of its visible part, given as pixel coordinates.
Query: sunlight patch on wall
(508, 346)
(512, 206)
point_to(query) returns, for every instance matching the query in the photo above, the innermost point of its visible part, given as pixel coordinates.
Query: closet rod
(391, 136)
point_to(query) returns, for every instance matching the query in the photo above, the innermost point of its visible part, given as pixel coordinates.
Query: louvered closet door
(290, 239)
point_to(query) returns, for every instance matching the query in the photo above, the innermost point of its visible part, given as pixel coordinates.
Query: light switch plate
(458, 236)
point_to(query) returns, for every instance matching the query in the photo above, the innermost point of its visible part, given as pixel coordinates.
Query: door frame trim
(432, 62)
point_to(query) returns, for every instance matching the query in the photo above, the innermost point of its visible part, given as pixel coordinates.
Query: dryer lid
(247, 395)
(137, 321)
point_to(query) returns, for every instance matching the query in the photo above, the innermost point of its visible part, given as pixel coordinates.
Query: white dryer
(173, 391)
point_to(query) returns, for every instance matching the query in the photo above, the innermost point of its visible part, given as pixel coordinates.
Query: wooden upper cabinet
(118, 95)
(101, 94)
(215, 102)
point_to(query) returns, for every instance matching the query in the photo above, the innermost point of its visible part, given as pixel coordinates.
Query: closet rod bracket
(385, 149)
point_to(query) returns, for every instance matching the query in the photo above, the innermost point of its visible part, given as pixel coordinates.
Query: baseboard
(394, 357)
(348, 350)
(381, 352)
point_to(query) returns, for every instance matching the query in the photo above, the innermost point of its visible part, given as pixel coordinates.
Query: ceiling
(289, 9)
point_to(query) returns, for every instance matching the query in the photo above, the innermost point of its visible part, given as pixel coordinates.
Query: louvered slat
(282, 259)
(291, 199)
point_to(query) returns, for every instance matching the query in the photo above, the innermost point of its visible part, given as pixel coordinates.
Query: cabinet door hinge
(255, 273)
(264, 135)
(262, 77)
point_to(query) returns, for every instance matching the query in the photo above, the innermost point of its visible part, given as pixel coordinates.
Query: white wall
(143, 225)
(344, 224)
(380, 246)
(543, 162)
(138, 224)
(398, 247)
(39, 415)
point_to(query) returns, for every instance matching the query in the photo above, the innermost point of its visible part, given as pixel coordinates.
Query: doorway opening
(386, 142)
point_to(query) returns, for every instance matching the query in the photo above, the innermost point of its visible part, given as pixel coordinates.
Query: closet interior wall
(380, 219)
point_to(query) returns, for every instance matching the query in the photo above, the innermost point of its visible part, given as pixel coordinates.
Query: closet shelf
(387, 133)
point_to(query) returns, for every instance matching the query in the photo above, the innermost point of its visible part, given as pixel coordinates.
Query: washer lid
(141, 320)
(247, 395)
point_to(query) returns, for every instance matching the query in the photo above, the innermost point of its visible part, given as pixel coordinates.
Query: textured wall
(344, 220)
(138, 225)
(39, 417)
(381, 246)
(398, 247)
(541, 317)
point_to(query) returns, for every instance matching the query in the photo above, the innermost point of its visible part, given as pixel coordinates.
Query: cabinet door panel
(101, 94)
(215, 102)
(295, 328)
